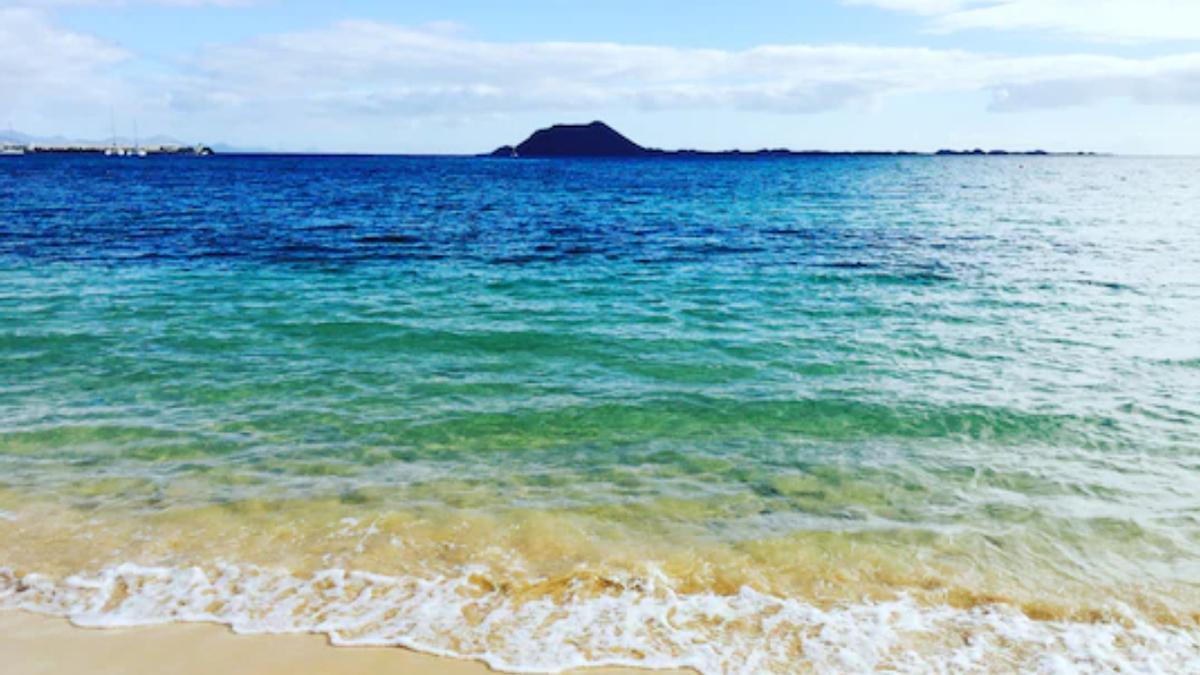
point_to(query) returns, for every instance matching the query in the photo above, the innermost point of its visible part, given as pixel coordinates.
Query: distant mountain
(574, 140)
(18, 138)
(14, 137)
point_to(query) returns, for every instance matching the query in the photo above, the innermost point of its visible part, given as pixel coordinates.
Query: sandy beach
(37, 645)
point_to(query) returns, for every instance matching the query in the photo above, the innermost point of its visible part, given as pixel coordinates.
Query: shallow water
(830, 414)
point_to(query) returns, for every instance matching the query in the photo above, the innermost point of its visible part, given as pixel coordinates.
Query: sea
(759, 415)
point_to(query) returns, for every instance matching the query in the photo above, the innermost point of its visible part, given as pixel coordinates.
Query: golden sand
(37, 645)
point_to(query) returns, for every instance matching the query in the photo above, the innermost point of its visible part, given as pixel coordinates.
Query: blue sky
(459, 76)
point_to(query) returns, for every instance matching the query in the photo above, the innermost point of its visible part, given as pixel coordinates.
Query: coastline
(35, 644)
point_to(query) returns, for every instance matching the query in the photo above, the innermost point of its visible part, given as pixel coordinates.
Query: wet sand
(31, 644)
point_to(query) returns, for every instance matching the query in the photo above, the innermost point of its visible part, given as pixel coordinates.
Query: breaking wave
(592, 620)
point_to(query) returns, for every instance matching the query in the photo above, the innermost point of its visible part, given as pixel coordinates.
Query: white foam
(644, 622)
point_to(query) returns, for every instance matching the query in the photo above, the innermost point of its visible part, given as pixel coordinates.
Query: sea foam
(630, 622)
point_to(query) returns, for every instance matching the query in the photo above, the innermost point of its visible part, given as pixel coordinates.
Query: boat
(137, 151)
(114, 150)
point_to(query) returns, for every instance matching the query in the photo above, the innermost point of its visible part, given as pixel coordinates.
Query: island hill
(600, 140)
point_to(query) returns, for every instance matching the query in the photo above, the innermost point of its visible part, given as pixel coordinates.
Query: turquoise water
(963, 392)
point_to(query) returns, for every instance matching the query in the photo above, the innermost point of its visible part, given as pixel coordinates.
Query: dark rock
(600, 140)
(577, 140)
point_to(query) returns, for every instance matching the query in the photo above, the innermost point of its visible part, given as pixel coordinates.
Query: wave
(594, 620)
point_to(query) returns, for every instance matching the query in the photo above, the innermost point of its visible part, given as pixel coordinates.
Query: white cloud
(363, 78)
(368, 67)
(1174, 80)
(40, 62)
(1109, 20)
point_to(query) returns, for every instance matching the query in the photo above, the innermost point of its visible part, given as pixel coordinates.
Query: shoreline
(38, 644)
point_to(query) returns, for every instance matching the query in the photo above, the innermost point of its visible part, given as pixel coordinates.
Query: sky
(456, 76)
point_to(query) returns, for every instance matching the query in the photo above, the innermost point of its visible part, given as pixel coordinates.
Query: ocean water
(831, 414)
